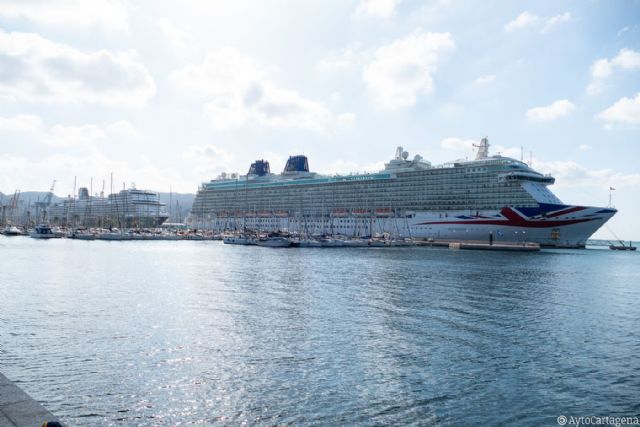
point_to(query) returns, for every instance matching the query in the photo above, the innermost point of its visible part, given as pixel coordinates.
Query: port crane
(11, 207)
(41, 206)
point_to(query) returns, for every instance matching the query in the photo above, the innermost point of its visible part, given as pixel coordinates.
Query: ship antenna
(483, 149)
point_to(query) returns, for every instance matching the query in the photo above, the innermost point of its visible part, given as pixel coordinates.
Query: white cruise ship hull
(560, 226)
(566, 227)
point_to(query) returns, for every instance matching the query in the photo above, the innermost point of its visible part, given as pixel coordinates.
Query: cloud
(403, 69)
(341, 59)
(584, 147)
(63, 136)
(377, 8)
(554, 111)
(208, 153)
(627, 59)
(34, 69)
(552, 22)
(207, 161)
(238, 92)
(177, 37)
(123, 128)
(74, 136)
(603, 68)
(486, 79)
(108, 15)
(65, 151)
(347, 118)
(529, 20)
(524, 20)
(22, 123)
(570, 174)
(457, 144)
(624, 111)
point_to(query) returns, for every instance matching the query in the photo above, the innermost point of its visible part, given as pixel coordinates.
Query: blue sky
(171, 94)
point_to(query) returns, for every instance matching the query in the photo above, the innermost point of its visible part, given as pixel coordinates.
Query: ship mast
(483, 149)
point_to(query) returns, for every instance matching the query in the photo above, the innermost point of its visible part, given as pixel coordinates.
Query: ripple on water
(156, 333)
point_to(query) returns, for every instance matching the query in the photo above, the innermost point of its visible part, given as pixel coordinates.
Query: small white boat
(114, 234)
(43, 231)
(239, 239)
(328, 242)
(82, 235)
(11, 230)
(400, 242)
(376, 242)
(308, 243)
(274, 242)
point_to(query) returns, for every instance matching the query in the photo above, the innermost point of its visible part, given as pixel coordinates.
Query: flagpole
(610, 190)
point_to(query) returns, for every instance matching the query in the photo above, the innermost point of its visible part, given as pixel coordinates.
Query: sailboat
(622, 246)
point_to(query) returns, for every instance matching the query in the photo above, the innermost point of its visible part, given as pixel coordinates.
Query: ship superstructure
(128, 208)
(492, 197)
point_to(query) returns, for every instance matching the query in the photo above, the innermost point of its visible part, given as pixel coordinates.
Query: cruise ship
(490, 198)
(128, 208)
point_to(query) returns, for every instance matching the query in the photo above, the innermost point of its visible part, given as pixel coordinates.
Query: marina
(285, 239)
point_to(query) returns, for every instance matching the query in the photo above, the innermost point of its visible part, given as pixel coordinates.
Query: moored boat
(622, 247)
(238, 239)
(12, 230)
(43, 231)
(274, 241)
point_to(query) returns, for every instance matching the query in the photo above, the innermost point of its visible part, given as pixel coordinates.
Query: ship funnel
(259, 168)
(83, 193)
(296, 164)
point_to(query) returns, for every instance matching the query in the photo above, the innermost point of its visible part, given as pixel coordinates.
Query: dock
(477, 245)
(18, 409)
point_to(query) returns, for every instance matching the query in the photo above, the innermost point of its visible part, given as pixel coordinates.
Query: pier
(18, 409)
(477, 245)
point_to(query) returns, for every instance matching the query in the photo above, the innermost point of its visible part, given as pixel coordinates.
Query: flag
(611, 188)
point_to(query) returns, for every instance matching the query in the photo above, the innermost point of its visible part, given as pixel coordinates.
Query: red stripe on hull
(566, 211)
(515, 220)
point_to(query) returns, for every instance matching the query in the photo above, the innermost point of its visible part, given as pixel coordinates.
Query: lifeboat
(384, 212)
(361, 212)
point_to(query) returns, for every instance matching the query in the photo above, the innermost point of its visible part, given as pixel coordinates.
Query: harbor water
(199, 333)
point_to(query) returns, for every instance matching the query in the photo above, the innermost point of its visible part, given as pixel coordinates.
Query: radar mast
(483, 149)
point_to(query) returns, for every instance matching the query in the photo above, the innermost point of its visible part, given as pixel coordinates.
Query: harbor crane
(41, 206)
(11, 207)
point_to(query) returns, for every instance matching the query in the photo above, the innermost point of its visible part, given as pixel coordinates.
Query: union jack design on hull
(550, 225)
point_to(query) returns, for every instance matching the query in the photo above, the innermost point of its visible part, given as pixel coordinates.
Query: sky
(167, 95)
